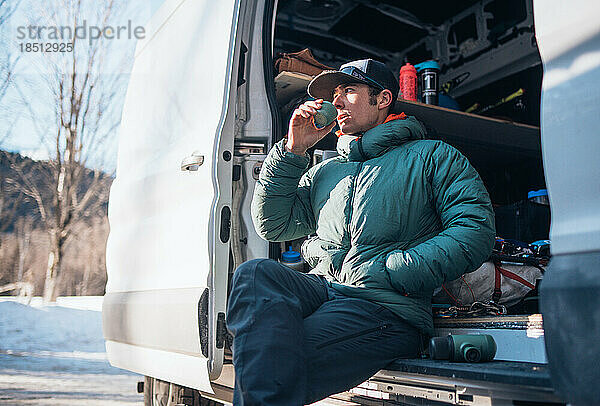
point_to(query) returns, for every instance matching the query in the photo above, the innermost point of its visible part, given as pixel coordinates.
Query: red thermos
(408, 82)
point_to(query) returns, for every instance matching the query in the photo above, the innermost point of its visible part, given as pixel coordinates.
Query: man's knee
(243, 277)
(247, 268)
(246, 273)
(249, 288)
(249, 277)
(256, 273)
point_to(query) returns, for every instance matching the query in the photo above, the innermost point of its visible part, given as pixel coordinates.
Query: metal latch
(192, 162)
(221, 330)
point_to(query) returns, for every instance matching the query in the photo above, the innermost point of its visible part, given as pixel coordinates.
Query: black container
(429, 86)
(428, 81)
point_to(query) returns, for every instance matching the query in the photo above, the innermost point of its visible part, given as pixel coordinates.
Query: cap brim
(323, 85)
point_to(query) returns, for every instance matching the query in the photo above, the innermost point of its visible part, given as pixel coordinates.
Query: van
(204, 106)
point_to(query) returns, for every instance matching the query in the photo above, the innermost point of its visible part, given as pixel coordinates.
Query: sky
(19, 132)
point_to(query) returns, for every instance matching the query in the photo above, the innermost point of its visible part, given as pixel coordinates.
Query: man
(391, 219)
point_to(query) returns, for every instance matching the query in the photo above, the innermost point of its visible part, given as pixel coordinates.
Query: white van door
(568, 36)
(168, 249)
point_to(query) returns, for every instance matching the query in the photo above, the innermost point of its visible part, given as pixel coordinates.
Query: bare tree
(7, 67)
(84, 97)
(7, 60)
(7, 8)
(10, 198)
(23, 233)
(8, 205)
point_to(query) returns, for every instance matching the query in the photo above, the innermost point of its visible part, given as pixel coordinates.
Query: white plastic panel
(258, 120)
(568, 37)
(256, 247)
(161, 319)
(183, 369)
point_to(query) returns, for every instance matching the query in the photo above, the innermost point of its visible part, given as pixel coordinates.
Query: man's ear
(384, 99)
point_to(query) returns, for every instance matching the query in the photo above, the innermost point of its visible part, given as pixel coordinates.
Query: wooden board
(477, 136)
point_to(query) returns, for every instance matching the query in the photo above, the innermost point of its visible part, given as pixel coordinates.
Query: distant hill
(40, 173)
(24, 241)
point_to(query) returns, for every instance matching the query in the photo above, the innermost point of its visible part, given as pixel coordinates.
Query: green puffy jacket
(392, 218)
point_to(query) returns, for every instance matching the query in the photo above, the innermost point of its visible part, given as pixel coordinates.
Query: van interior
(489, 91)
(489, 85)
(488, 59)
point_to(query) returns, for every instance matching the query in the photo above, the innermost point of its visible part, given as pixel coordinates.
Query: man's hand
(302, 133)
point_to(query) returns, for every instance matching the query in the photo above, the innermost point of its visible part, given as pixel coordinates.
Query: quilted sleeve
(281, 207)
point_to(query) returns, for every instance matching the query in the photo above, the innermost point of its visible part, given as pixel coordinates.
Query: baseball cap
(367, 71)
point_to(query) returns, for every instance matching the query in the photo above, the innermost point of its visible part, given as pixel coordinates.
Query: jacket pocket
(347, 337)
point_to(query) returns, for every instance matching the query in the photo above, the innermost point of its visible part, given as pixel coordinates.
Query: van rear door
(568, 36)
(168, 248)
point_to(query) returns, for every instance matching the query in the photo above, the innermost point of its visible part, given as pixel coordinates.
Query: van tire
(162, 393)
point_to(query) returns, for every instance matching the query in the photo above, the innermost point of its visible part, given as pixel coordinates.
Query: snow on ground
(54, 355)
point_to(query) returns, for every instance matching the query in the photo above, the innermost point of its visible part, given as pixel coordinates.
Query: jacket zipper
(354, 335)
(352, 198)
(351, 211)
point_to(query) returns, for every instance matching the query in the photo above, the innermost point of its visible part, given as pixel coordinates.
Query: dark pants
(297, 340)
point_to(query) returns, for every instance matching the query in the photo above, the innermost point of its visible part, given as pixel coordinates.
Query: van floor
(502, 372)
(528, 382)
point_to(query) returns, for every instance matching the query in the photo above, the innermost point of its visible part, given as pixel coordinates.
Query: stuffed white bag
(503, 283)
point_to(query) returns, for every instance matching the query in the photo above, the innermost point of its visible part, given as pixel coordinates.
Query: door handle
(192, 162)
